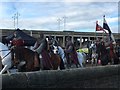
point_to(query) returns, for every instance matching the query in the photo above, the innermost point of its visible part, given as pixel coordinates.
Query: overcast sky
(43, 15)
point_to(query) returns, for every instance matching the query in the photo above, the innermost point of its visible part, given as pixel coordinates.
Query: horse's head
(92, 46)
(17, 55)
(14, 56)
(54, 49)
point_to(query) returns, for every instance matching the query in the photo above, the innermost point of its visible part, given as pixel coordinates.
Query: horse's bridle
(6, 54)
(3, 50)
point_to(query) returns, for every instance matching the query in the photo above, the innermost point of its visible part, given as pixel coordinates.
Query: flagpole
(95, 36)
(103, 35)
(95, 31)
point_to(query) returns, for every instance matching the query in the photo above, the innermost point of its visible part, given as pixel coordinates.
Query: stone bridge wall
(96, 77)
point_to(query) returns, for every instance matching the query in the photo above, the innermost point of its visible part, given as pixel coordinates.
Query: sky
(64, 15)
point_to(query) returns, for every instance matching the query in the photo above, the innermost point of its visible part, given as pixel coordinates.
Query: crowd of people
(105, 50)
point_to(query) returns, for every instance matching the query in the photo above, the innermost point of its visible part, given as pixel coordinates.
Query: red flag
(98, 27)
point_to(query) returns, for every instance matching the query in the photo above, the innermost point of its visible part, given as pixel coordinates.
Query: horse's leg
(92, 61)
(96, 60)
(6, 67)
(65, 62)
(79, 56)
(81, 64)
(68, 60)
(62, 64)
(36, 63)
(1, 65)
(84, 60)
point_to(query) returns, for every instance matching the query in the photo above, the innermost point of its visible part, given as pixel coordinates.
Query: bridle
(6, 54)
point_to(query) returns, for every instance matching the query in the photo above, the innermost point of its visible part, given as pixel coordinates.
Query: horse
(5, 58)
(81, 58)
(58, 50)
(31, 58)
(55, 58)
(80, 55)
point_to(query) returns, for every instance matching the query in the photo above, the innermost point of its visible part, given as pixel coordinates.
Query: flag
(106, 27)
(98, 27)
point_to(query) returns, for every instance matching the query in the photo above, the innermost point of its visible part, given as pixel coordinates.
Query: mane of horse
(22, 49)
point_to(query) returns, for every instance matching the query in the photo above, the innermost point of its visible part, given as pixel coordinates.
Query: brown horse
(32, 61)
(55, 61)
(54, 58)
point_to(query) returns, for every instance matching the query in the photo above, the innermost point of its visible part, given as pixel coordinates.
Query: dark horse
(31, 58)
(107, 55)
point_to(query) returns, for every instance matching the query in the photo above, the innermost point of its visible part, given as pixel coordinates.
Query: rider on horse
(110, 49)
(71, 51)
(41, 47)
(17, 42)
(54, 42)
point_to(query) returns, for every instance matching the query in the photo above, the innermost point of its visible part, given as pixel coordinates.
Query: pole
(95, 36)
(17, 18)
(64, 22)
(14, 20)
(59, 22)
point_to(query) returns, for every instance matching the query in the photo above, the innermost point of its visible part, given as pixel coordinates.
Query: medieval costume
(71, 53)
(42, 49)
(17, 42)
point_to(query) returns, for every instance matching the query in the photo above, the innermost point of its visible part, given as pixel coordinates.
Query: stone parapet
(89, 77)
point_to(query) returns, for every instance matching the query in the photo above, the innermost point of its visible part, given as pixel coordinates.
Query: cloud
(66, 1)
(44, 15)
